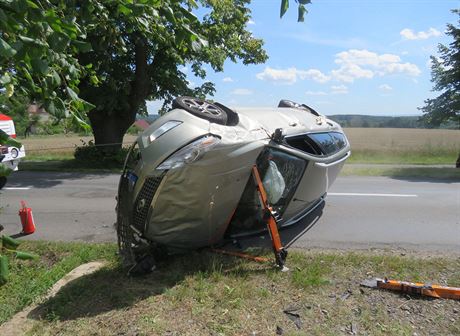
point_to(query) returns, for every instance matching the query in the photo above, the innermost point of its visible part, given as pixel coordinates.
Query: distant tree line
(353, 120)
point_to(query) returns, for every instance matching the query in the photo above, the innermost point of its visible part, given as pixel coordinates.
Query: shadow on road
(24, 179)
(430, 175)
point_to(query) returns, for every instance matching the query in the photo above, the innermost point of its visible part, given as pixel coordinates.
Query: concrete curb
(20, 323)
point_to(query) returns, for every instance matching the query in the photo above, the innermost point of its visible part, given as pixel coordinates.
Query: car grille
(129, 219)
(143, 201)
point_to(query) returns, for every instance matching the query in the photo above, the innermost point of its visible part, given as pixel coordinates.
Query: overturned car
(187, 180)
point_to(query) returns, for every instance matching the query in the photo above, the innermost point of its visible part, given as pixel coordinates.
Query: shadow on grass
(111, 289)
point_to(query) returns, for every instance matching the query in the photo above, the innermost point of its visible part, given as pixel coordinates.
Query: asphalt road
(360, 212)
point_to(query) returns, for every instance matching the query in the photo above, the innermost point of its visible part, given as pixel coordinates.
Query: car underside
(187, 179)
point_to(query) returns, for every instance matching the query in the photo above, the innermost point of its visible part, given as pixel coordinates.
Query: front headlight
(167, 126)
(190, 153)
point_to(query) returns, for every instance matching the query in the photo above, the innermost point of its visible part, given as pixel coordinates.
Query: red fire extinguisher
(27, 219)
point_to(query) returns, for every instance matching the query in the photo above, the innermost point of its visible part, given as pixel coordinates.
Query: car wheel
(2, 181)
(201, 109)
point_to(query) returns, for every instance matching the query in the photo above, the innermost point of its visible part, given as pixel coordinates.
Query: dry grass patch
(403, 146)
(206, 294)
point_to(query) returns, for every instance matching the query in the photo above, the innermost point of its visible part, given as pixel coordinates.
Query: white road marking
(372, 195)
(18, 188)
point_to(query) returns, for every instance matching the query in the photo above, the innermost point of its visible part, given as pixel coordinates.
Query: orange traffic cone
(27, 219)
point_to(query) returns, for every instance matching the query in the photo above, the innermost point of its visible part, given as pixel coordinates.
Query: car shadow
(429, 175)
(112, 289)
(42, 180)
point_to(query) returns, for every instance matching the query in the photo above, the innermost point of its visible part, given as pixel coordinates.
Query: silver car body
(193, 206)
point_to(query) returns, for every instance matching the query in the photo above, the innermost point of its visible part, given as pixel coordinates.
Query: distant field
(57, 146)
(401, 145)
(369, 145)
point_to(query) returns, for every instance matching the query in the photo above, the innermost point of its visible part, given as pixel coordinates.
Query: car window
(326, 143)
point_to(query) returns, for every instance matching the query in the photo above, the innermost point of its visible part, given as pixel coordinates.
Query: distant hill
(358, 120)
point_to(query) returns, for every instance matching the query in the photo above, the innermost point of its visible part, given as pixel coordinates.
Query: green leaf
(83, 124)
(284, 7)
(55, 79)
(6, 50)
(124, 10)
(32, 4)
(304, 2)
(50, 107)
(83, 46)
(25, 255)
(5, 79)
(302, 12)
(39, 65)
(8, 242)
(73, 95)
(87, 106)
(27, 39)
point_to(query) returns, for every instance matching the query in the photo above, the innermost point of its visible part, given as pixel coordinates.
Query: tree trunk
(457, 164)
(109, 127)
(109, 130)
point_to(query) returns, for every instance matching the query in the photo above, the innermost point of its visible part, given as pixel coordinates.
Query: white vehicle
(11, 150)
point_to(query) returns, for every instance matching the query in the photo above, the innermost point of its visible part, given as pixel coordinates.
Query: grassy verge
(394, 156)
(402, 172)
(31, 279)
(208, 294)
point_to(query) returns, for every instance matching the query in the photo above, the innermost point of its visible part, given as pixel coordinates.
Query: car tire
(201, 109)
(2, 181)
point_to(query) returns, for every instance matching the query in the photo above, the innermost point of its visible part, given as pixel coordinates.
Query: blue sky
(348, 57)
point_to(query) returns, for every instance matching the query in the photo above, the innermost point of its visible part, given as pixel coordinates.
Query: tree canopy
(110, 56)
(37, 47)
(445, 74)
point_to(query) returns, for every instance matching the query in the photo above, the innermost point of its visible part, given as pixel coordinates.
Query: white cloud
(356, 64)
(313, 74)
(339, 89)
(227, 79)
(290, 75)
(251, 22)
(385, 88)
(241, 92)
(315, 93)
(409, 34)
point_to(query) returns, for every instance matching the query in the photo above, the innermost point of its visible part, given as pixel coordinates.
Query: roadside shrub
(100, 156)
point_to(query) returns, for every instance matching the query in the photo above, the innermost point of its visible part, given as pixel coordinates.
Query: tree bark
(109, 127)
(109, 130)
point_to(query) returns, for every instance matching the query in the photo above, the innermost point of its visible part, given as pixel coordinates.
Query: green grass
(204, 293)
(410, 172)
(423, 156)
(31, 279)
